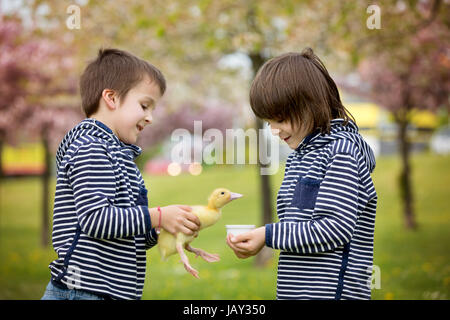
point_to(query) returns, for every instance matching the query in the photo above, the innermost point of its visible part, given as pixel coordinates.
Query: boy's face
(292, 134)
(135, 111)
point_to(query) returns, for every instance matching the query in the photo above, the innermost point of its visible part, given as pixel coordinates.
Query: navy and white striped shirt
(101, 222)
(326, 207)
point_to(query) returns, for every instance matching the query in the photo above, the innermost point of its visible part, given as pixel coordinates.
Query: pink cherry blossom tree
(412, 72)
(37, 87)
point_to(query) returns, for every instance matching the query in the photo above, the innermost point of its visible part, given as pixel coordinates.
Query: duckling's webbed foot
(208, 257)
(185, 261)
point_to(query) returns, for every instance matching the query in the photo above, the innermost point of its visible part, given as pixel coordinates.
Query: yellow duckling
(208, 215)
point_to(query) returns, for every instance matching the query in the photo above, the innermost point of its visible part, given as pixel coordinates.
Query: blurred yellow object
(424, 119)
(367, 115)
(26, 158)
(389, 296)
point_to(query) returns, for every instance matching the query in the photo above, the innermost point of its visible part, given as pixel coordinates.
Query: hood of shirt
(339, 131)
(92, 128)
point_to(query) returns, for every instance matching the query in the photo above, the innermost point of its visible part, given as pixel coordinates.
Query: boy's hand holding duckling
(175, 219)
(170, 243)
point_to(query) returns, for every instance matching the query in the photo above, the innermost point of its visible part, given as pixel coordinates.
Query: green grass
(413, 264)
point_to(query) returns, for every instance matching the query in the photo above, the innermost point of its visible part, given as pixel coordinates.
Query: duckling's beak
(235, 195)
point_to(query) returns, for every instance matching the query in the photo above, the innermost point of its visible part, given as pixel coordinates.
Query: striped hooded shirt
(101, 222)
(326, 207)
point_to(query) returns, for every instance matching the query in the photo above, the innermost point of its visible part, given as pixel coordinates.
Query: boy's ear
(110, 98)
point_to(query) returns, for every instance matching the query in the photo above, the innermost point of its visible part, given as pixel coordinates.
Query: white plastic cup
(236, 229)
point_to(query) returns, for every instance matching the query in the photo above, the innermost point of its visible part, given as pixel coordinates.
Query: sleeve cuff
(269, 228)
(152, 235)
(147, 219)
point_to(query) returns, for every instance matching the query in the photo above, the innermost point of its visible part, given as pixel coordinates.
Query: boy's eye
(144, 106)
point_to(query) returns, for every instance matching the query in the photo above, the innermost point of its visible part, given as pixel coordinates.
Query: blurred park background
(390, 59)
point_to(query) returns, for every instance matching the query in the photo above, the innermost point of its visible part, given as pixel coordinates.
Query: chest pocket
(142, 199)
(305, 193)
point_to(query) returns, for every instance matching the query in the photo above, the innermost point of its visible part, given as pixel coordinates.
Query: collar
(307, 139)
(130, 149)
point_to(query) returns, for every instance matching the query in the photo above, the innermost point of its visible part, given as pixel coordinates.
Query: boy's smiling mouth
(286, 139)
(139, 127)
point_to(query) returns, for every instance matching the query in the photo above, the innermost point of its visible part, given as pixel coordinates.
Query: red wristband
(158, 230)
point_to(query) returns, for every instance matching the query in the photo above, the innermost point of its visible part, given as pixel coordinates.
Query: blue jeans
(53, 292)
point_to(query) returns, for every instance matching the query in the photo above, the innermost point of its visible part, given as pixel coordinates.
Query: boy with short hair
(102, 225)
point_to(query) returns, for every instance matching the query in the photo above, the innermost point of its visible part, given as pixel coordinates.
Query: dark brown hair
(298, 88)
(116, 70)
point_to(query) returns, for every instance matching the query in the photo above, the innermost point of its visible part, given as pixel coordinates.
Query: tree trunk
(45, 179)
(266, 200)
(405, 183)
(265, 188)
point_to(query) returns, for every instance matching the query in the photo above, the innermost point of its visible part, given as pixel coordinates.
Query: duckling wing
(206, 215)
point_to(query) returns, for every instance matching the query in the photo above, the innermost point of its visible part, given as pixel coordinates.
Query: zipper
(69, 254)
(342, 271)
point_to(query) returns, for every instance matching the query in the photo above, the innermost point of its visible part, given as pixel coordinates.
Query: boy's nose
(148, 120)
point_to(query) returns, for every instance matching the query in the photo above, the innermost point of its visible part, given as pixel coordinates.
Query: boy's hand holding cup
(245, 240)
